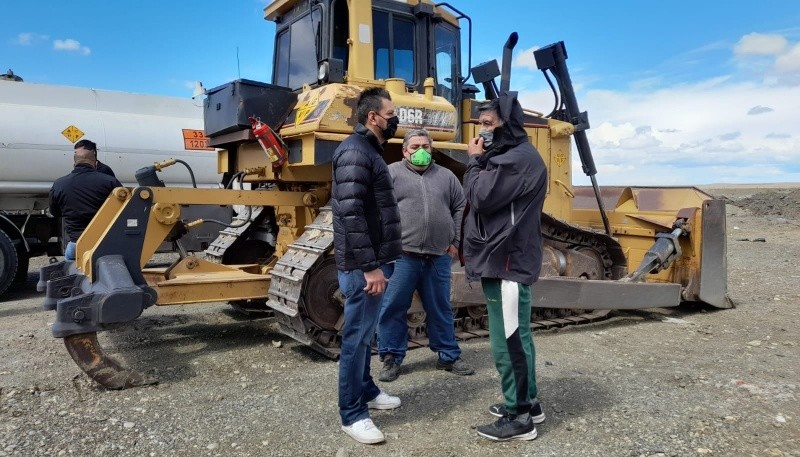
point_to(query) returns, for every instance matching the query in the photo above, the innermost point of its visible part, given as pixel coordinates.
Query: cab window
(393, 38)
(446, 42)
(297, 53)
(341, 31)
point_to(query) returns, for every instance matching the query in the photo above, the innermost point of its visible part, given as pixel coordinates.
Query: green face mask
(420, 158)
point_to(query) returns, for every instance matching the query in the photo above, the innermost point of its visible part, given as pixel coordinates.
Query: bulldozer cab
(339, 40)
(359, 43)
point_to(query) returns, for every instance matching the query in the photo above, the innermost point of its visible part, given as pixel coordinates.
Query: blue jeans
(356, 386)
(69, 251)
(431, 278)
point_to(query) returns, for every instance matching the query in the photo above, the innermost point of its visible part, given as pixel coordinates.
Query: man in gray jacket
(505, 186)
(431, 203)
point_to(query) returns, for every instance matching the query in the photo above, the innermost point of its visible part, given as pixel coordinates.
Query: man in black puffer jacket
(79, 195)
(366, 225)
(505, 185)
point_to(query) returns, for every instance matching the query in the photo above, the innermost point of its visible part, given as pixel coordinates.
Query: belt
(417, 255)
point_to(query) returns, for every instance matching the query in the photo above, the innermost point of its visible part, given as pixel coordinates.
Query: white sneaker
(364, 431)
(384, 401)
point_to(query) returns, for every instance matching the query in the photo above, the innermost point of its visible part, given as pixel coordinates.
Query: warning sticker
(72, 133)
(306, 109)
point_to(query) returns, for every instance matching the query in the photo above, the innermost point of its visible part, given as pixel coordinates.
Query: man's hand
(475, 147)
(376, 282)
(452, 251)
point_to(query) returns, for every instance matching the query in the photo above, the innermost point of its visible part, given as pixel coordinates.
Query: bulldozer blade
(570, 293)
(588, 294)
(90, 357)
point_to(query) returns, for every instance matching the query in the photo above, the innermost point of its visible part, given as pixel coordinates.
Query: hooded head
(509, 129)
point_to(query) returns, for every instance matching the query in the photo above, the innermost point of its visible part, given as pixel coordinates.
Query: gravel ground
(673, 382)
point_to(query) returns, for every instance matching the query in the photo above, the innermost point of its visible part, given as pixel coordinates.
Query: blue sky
(677, 92)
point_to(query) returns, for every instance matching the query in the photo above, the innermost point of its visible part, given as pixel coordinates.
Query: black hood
(512, 132)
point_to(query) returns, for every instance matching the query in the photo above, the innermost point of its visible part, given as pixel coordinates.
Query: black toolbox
(228, 106)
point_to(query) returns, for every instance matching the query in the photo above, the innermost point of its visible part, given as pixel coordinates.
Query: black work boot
(457, 366)
(390, 370)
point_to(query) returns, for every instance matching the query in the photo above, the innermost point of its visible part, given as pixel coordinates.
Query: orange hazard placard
(195, 140)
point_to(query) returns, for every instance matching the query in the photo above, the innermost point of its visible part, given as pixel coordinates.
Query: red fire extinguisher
(270, 142)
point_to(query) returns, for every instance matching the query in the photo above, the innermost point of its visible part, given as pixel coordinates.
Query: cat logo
(307, 108)
(560, 159)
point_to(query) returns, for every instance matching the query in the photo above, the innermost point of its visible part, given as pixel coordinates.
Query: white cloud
(778, 135)
(641, 139)
(773, 56)
(693, 134)
(756, 110)
(525, 59)
(730, 136)
(789, 62)
(738, 127)
(760, 44)
(71, 45)
(27, 38)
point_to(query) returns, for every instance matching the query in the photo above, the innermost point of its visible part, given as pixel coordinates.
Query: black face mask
(391, 126)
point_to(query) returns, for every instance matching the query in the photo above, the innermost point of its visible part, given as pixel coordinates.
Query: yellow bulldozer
(605, 248)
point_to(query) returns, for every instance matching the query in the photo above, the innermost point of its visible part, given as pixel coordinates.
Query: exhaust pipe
(505, 76)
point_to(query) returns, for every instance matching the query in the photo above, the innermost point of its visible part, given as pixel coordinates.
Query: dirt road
(677, 382)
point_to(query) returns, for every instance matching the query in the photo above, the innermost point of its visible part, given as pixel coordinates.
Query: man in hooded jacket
(505, 185)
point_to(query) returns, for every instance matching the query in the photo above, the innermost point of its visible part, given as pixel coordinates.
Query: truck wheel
(9, 262)
(23, 262)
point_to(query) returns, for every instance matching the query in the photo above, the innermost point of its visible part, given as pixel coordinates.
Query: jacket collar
(367, 133)
(83, 168)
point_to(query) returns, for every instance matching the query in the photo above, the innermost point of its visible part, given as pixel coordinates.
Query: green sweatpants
(509, 307)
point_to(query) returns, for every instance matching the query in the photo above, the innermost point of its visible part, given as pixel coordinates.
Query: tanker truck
(39, 123)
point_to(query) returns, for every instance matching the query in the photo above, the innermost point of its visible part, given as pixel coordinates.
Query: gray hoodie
(431, 204)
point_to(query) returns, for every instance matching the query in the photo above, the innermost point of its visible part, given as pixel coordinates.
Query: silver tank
(39, 124)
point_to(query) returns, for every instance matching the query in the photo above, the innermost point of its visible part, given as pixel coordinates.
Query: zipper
(427, 209)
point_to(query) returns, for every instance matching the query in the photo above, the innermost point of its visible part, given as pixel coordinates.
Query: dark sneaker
(390, 370)
(537, 414)
(457, 366)
(509, 428)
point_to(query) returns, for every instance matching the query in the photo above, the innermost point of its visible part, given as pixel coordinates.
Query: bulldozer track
(227, 236)
(311, 253)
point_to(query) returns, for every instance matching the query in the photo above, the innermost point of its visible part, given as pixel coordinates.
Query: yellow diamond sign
(560, 159)
(72, 133)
